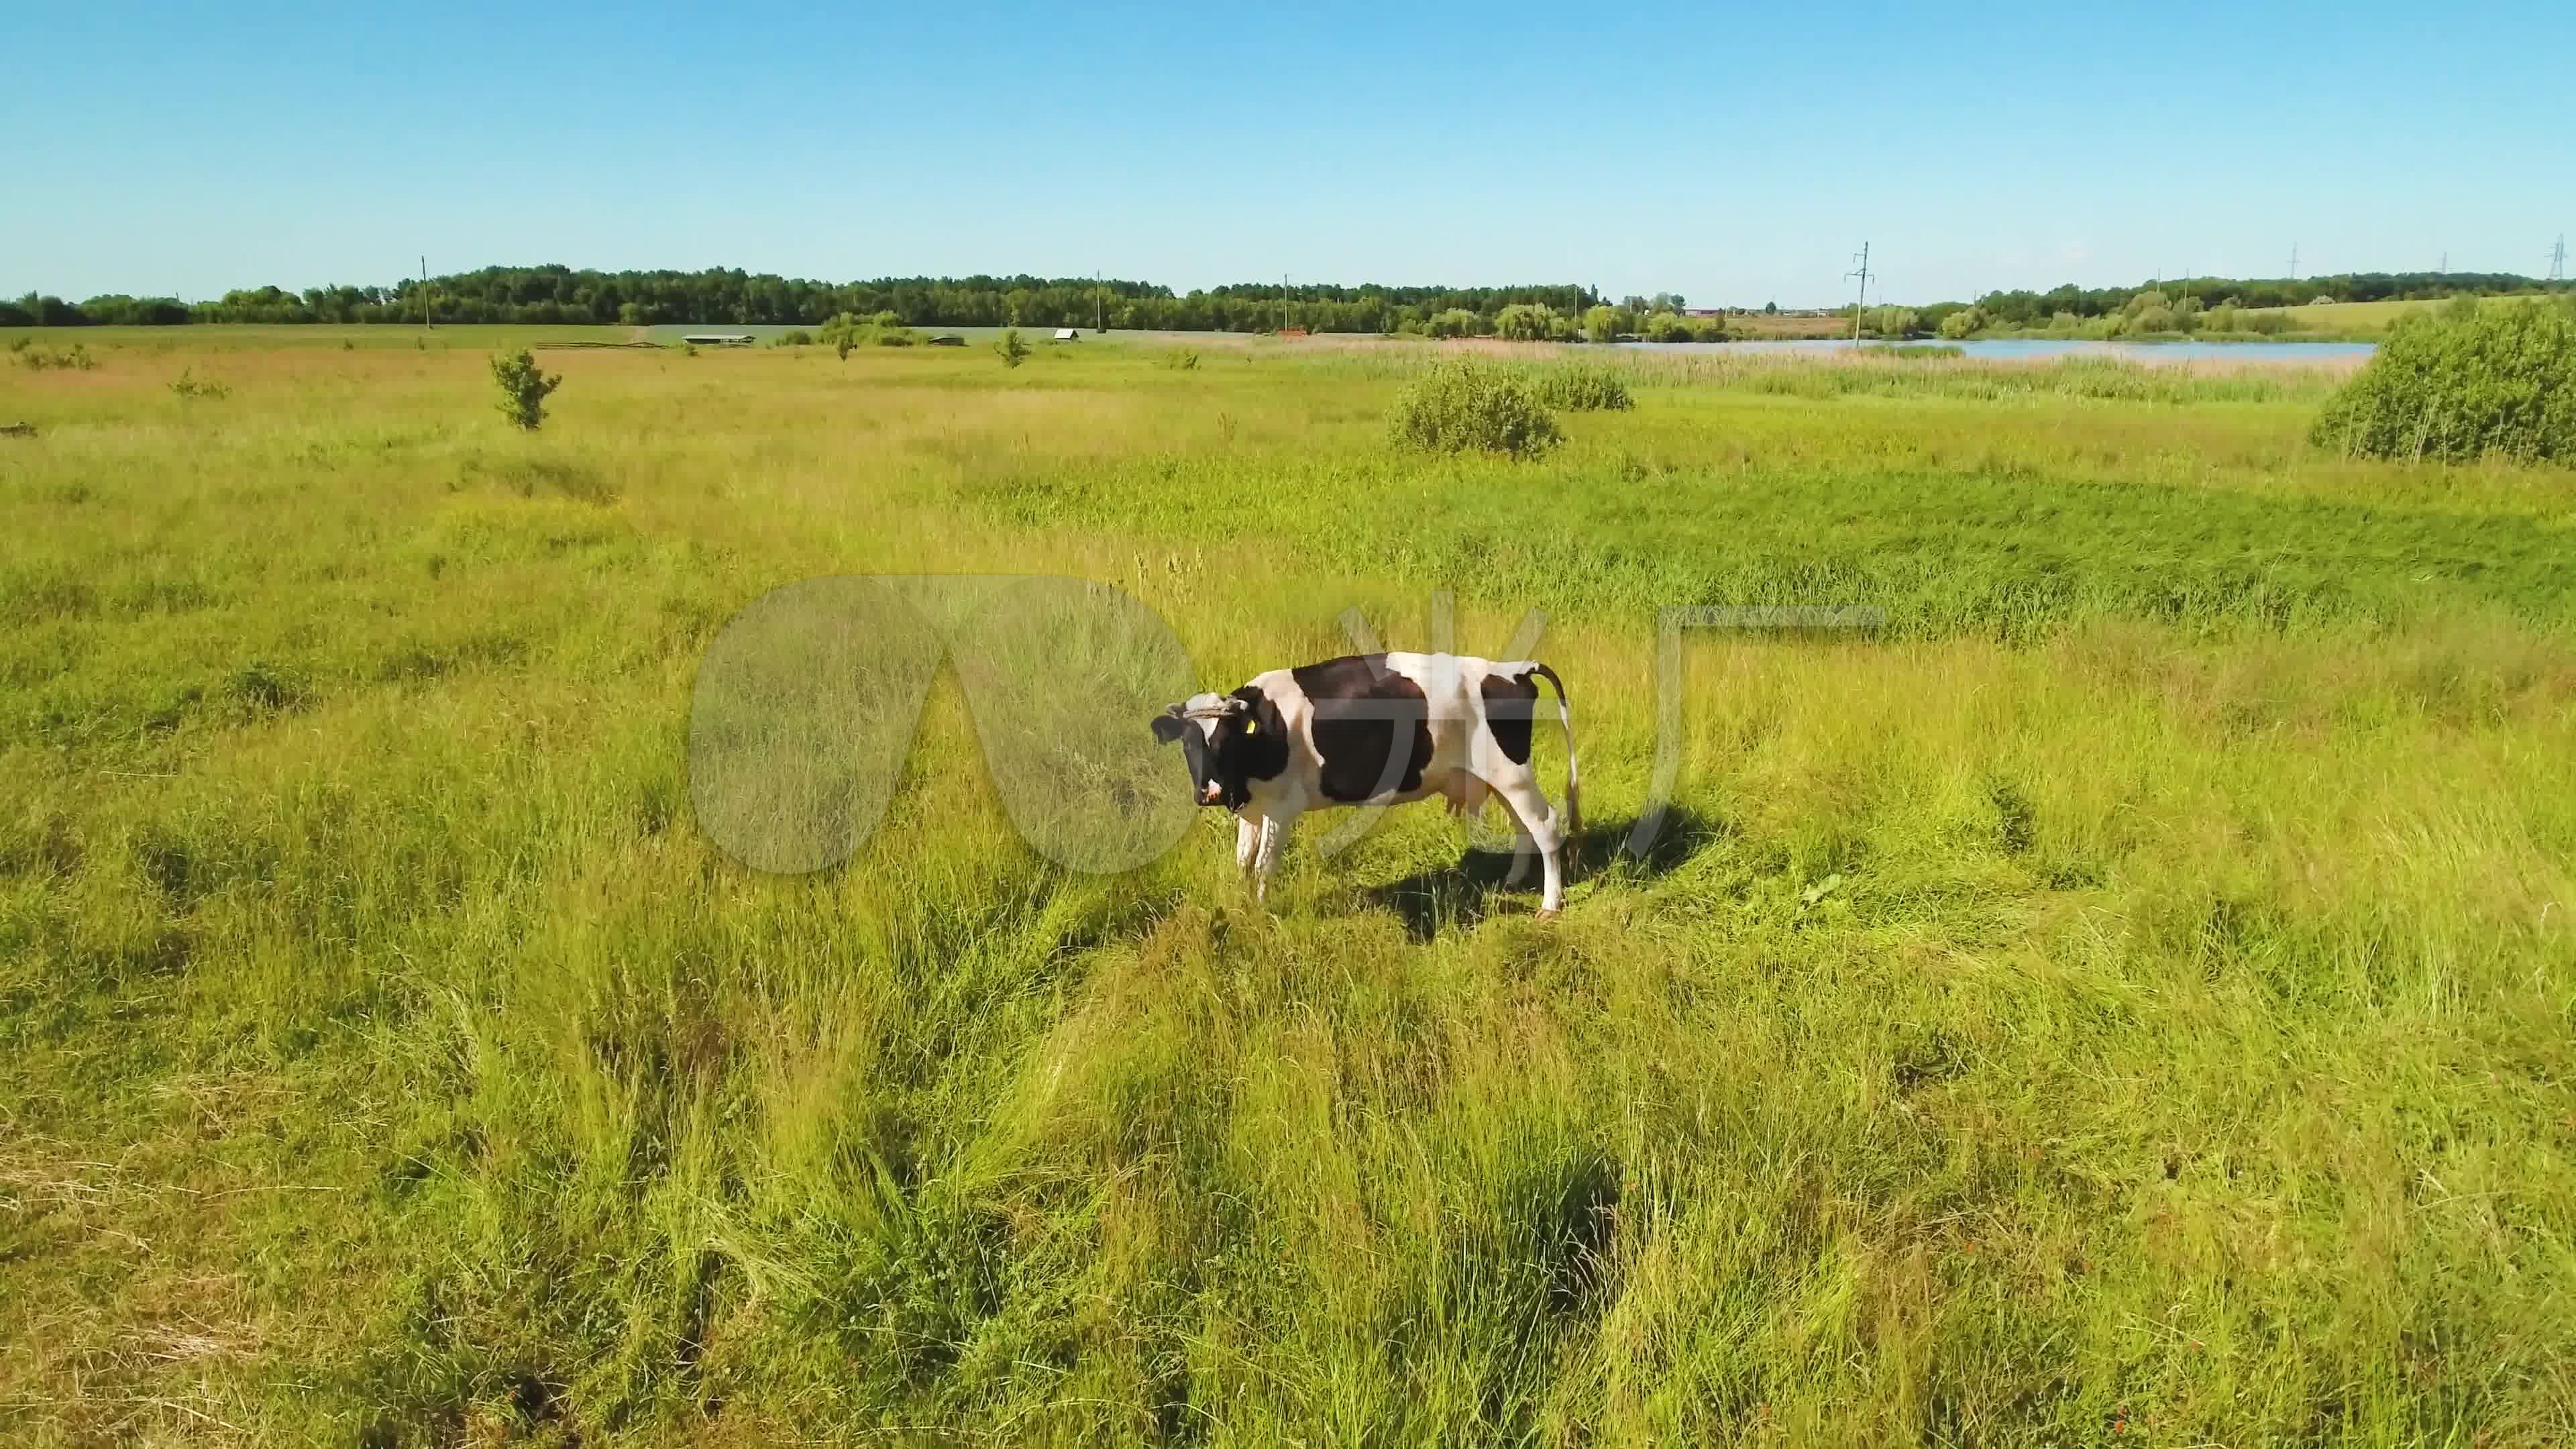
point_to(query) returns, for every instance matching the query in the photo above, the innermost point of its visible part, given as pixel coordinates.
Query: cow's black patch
(1509, 704)
(1362, 712)
(1259, 747)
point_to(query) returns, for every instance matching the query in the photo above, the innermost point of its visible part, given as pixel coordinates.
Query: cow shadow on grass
(1461, 895)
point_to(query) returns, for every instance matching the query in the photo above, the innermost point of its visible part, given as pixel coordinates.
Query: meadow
(2359, 321)
(2125, 998)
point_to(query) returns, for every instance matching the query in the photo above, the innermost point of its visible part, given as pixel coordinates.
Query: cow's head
(1230, 740)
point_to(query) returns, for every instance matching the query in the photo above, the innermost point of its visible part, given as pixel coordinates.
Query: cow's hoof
(1546, 914)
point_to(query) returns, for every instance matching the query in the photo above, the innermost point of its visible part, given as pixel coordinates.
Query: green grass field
(2126, 999)
(2360, 321)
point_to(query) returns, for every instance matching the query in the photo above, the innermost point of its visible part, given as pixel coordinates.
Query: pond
(2030, 347)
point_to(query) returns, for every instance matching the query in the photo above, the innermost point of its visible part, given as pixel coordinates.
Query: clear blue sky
(1735, 154)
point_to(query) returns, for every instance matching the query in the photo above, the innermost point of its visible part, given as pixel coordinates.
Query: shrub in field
(1962, 323)
(793, 337)
(1182, 359)
(524, 388)
(1601, 323)
(1584, 389)
(1011, 349)
(2457, 386)
(187, 386)
(74, 358)
(1462, 405)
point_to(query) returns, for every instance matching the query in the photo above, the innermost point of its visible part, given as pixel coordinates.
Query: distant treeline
(2036, 309)
(634, 299)
(556, 294)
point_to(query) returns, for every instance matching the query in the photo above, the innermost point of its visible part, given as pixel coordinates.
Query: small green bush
(187, 386)
(524, 388)
(1584, 388)
(1462, 405)
(794, 337)
(74, 358)
(1011, 349)
(2458, 386)
(1182, 359)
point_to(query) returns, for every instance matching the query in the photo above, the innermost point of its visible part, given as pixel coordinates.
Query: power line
(1863, 299)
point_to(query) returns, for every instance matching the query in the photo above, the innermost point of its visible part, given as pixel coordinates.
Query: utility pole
(2444, 269)
(2294, 261)
(1863, 299)
(425, 323)
(2558, 259)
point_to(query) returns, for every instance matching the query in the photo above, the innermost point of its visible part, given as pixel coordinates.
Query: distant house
(719, 339)
(1067, 334)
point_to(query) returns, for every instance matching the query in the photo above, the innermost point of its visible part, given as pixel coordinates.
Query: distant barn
(1067, 334)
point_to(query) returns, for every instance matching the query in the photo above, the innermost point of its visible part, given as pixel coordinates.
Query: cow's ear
(1168, 725)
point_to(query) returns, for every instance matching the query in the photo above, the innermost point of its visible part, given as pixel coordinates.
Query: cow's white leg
(1538, 822)
(1247, 841)
(1274, 834)
(1524, 850)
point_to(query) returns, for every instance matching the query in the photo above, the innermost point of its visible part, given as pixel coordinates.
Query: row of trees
(563, 295)
(2038, 309)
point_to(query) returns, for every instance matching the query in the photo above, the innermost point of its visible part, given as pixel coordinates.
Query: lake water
(2028, 347)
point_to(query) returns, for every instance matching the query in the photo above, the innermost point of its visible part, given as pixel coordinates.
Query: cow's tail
(1573, 782)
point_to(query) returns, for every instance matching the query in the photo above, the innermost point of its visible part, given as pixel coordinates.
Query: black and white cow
(1377, 729)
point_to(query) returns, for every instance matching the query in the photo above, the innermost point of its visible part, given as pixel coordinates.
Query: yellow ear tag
(1252, 726)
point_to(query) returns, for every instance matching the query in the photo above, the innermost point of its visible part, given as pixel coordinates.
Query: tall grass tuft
(1584, 388)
